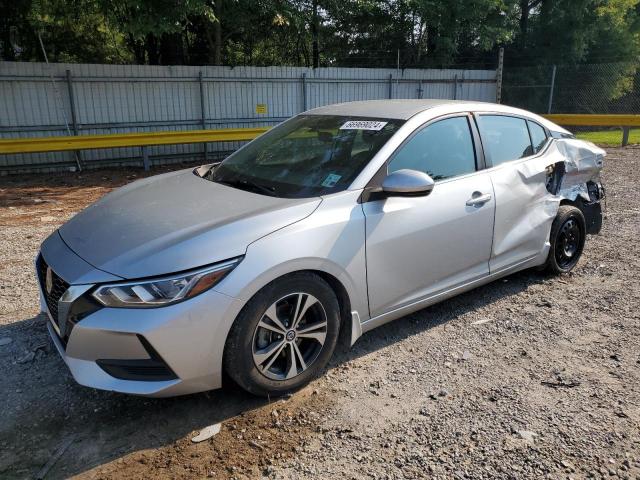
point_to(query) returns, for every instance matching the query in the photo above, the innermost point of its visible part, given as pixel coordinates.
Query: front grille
(59, 286)
(81, 307)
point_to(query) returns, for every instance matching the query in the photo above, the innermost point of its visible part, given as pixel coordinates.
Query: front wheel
(285, 335)
(567, 238)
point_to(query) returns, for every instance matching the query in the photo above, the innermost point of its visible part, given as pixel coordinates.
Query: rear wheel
(285, 335)
(567, 238)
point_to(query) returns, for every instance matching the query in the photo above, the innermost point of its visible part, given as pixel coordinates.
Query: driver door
(417, 247)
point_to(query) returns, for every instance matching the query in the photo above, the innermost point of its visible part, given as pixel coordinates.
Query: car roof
(404, 109)
(398, 109)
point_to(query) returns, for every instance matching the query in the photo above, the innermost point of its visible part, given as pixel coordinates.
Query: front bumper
(188, 336)
(186, 339)
(88, 373)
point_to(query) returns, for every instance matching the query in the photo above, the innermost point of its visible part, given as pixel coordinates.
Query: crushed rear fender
(530, 193)
(580, 182)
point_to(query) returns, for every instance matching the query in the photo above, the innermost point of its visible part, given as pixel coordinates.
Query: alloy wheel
(289, 336)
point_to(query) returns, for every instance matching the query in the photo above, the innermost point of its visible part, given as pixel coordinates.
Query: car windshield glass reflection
(306, 156)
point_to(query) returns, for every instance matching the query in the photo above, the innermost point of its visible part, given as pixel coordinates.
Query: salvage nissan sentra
(337, 221)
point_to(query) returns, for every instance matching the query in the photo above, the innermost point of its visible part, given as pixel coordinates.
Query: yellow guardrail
(595, 120)
(85, 142)
(590, 120)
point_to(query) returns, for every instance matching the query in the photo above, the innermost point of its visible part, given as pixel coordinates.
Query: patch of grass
(610, 137)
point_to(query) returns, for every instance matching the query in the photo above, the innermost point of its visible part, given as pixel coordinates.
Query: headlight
(162, 291)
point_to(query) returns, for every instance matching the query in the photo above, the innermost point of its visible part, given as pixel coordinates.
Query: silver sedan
(336, 221)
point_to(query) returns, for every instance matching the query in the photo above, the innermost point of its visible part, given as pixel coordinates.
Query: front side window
(442, 150)
(306, 156)
(504, 138)
(538, 136)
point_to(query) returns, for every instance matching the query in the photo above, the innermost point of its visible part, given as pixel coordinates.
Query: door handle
(478, 199)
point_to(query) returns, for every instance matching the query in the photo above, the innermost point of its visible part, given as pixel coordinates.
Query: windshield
(306, 156)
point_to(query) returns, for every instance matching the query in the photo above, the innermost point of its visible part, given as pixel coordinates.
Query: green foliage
(71, 30)
(426, 32)
(596, 45)
(263, 32)
(610, 138)
(138, 18)
(536, 34)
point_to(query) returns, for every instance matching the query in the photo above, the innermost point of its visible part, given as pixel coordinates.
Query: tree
(323, 32)
(155, 29)
(71, 30)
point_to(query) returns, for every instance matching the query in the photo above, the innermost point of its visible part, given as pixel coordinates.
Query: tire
(259, 350)
(567, 237)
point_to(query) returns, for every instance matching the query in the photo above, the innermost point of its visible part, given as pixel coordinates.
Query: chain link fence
(594, 88)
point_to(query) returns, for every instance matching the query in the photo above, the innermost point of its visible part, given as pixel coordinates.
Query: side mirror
(408, 183)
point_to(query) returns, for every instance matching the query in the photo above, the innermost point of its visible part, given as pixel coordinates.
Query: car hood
(174, 222)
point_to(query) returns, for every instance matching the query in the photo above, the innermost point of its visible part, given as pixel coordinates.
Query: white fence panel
(36, 99)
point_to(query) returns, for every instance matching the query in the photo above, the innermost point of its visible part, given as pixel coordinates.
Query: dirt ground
(528, 377)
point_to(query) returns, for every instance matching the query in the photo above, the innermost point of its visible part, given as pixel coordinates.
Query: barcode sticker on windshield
(363, 125)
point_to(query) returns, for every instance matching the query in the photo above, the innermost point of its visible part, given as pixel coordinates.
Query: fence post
(72, 102)
(455, 87)
(74, 121)
(499, 71)
(304, 92)
(58, 97)
(398, 72)
(625, 136)
(390, 85)
(203, 114)
(145, 158)
(553, 84)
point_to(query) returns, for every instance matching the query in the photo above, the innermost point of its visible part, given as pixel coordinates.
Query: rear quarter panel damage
(526, 206)
(583, 162)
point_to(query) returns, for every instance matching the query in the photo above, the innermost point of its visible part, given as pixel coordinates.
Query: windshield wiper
(244, 184)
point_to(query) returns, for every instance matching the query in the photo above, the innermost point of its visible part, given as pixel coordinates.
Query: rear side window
(504, 138)
(538, 136)
(443, 149)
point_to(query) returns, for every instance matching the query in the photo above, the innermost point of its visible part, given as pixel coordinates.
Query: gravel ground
(528, 377)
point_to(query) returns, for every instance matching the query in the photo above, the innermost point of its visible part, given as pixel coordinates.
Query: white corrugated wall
(138, 98)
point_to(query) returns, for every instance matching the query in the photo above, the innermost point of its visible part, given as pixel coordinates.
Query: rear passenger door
(513, 148)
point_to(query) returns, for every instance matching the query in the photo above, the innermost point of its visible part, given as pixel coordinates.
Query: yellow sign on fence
(261, 108)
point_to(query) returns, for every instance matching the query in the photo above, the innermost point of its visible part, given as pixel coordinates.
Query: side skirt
(438, 297)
